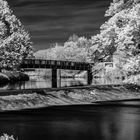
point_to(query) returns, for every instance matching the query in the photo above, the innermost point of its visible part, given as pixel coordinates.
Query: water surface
(63, 82)
(74, 123)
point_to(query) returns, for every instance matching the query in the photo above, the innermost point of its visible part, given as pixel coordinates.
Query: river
(85, 122)
(110, 121)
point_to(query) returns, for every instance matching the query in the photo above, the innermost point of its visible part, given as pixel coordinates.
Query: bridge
(56, 64)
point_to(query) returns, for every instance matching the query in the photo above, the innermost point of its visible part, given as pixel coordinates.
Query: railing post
(54, 77)
(89, 76)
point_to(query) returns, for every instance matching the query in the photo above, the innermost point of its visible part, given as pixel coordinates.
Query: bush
(6, 137)
(133, 79)
(16, 76)
(4, 79)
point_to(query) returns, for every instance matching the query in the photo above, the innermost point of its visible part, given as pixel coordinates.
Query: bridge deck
(38, 63)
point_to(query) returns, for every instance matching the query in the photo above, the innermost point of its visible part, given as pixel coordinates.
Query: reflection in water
(73, 82)
(107, 80)
(97, 123)
(63, 82)
(46, 83)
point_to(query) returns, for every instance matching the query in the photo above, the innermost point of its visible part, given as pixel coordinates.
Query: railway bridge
(56, 64)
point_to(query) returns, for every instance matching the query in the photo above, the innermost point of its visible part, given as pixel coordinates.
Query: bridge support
(59, 78)
(54, 77)
(89, 77)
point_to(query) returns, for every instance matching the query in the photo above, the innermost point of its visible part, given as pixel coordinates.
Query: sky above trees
(50, 21)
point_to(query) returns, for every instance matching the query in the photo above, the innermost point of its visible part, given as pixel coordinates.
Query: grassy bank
(67, 97)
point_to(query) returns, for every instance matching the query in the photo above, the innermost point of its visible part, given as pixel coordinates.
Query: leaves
(15, 43)
(6, 137)
(75, 49)
(120, 35)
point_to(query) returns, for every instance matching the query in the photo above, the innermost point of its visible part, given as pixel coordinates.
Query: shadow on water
(97, 123)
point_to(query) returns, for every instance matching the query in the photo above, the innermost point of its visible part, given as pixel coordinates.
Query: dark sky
(50, 21)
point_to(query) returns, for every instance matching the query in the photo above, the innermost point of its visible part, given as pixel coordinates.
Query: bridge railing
(57, 63)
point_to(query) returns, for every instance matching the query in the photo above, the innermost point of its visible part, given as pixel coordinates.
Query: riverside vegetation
(7, 137)
(15, 45)
(12, 77)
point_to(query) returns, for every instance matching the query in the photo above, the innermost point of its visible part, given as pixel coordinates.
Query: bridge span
(56, 64)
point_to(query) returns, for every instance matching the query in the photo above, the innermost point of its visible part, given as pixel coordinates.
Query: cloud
(55, 20)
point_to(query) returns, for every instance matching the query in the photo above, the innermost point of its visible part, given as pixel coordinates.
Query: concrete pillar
(89, 77)
(59, 77)
(54, 77)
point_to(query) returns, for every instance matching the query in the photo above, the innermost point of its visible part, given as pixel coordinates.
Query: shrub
(16, 76)
(6, 137)
(4, 79)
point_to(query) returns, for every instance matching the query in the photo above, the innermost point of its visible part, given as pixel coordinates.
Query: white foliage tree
(15, 42)
(120, 35)
(75, 49)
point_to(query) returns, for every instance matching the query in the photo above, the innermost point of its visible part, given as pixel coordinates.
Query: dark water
(75, 123)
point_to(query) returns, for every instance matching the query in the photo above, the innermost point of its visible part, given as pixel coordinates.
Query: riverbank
(44, 98)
